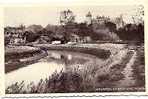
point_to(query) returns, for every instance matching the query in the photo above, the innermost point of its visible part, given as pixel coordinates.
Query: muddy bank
(20, 56)
(16, 52)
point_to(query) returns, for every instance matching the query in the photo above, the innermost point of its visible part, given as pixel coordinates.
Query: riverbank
(20, 56)
(17, 52)
(101, 50)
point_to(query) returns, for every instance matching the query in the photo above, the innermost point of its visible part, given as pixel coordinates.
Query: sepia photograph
(74, 49)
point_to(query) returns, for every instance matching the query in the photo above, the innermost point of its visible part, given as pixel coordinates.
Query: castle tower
(88, 18)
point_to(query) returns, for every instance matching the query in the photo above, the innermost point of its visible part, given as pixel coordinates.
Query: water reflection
(34, 72)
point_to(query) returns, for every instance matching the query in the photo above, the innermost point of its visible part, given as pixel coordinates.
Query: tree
(111, 26)
(52, 28)
(138, 17)
(66, 17)
(67, 21)
(34, 28)
(31, 37)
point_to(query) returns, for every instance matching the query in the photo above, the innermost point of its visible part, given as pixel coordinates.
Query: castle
(101, 20)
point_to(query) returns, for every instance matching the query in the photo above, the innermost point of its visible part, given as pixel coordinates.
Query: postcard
(74, 49)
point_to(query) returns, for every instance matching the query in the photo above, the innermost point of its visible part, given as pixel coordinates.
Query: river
(54, 62)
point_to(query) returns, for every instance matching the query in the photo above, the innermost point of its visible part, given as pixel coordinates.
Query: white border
(72, 3)
(1, 53)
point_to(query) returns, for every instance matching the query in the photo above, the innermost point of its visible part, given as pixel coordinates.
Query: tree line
(68, 26)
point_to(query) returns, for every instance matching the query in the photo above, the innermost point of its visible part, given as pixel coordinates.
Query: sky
(14, 16)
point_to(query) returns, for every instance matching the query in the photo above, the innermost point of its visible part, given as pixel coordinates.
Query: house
(74, 38)
(56, 42)
(43, 39)
(15, 35)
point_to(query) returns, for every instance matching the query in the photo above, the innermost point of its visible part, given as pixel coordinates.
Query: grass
(116, 70)
(63, 82)
(139, 68)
